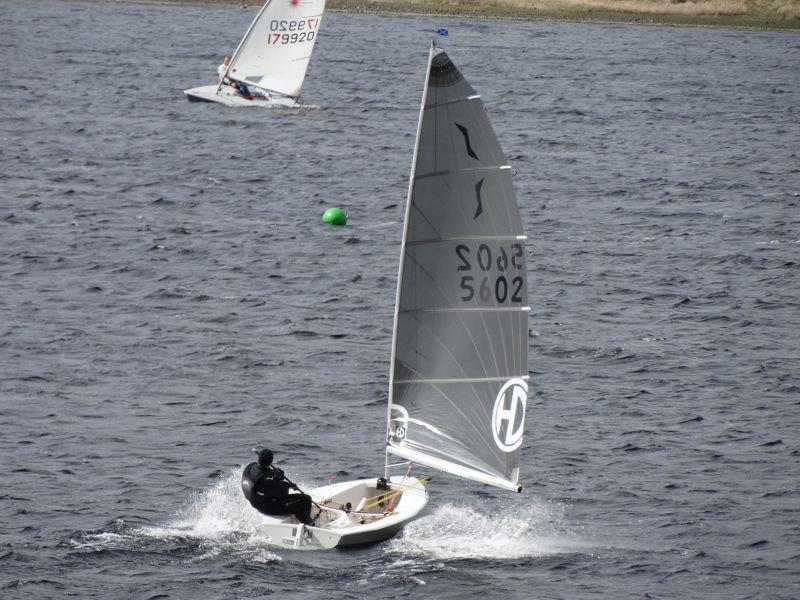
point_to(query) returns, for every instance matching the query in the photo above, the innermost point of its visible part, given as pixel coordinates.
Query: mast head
(440, 31)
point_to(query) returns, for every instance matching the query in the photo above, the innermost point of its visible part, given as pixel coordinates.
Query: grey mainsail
(458, 383)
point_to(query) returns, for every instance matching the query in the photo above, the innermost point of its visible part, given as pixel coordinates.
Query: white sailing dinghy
(270, 63)
(458, 380)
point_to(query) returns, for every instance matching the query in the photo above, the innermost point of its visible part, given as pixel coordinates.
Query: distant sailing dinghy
(458, 380)
(270, 63)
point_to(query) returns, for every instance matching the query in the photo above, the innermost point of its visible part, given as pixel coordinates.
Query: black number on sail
(501, 291)
(484, 257)
(466, 285)
(505, 289)
(461, 250)
(502, 260)
(486, 290)
(517, 256)
(517, 295)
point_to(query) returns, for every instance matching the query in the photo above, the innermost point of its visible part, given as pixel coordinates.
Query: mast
(403, 248)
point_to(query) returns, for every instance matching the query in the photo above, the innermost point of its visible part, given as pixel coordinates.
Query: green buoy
(334, 216)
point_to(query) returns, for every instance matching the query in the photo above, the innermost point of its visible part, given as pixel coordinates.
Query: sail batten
(469, 379)
(458, 381)
(458, 100)
(411, 311)
(469, 170)
(465, 238)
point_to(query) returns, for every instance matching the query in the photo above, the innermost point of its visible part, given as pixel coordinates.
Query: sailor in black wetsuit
(266, 488)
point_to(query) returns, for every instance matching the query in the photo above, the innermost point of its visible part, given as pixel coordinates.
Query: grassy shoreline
(762, 14)
(723, 13)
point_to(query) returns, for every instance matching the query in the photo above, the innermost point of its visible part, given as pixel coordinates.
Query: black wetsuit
(268, 492)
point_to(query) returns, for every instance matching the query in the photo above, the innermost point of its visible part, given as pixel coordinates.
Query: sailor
(267, 489)
(239, 86)
(244, 90)
(223, 68)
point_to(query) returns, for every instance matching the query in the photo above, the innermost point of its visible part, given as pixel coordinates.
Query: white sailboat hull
(230, 97)
(353, 528)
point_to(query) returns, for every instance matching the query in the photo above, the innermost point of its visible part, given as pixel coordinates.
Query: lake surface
(169, 299)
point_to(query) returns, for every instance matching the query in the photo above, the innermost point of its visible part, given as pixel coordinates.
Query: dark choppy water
(169, 298)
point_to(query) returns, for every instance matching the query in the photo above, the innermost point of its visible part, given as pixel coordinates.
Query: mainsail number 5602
(490, 275)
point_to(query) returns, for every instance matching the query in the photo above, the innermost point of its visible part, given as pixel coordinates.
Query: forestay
(459, 371)
(274, 53)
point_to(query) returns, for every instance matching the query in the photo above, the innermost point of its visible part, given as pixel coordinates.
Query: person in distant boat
(267, 489)
(223, 68)
(239, 86)
(244, 90)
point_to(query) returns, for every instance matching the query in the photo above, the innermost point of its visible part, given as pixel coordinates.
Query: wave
(455, 532)
(218, 521)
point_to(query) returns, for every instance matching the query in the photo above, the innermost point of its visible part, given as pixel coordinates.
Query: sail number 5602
(492, 275)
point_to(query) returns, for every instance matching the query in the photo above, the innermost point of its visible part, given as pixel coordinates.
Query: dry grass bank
(781, 14)
(749, 13)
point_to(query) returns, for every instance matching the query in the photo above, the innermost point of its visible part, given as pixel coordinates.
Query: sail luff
(406, 220)
(242, 41)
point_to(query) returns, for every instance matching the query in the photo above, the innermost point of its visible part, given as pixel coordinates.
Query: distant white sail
(275, 51)
(458, 384)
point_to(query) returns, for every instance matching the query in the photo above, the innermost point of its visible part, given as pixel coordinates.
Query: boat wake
(219, 511)
(512, 532)
(217, 521)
